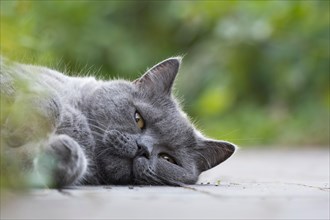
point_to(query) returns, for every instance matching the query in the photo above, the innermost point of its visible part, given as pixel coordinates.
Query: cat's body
(115, 132)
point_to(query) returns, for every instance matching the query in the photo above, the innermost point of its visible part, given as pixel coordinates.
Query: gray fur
(93, 134)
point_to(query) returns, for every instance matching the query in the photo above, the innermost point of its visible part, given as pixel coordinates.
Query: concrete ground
(253, 184)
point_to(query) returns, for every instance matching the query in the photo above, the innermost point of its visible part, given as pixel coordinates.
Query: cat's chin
(140, 167)
(127, 171)
(115, 170)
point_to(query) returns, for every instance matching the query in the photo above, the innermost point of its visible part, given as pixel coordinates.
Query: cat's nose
(144, 150)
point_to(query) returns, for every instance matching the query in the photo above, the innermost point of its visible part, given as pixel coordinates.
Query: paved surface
(254, 184)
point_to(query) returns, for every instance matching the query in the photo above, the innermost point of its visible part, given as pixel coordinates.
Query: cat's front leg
(63, 160)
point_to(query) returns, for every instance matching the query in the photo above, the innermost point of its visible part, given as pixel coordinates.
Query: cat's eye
(167, 158)
(139, 120)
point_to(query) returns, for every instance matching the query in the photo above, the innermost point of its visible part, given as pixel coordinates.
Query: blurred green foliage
(254, 72)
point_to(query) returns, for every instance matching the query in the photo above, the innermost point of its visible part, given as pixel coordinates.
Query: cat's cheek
(176, 173)
(116, 170)
(140, 165)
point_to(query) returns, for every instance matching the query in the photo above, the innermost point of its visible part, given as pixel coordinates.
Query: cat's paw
(63, 160)
(121, 144)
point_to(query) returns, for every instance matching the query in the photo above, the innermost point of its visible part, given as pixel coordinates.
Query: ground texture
(253, 184)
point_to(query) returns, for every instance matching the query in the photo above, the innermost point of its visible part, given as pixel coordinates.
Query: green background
(254, 72)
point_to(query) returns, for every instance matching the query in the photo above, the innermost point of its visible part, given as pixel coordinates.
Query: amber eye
(139, 120)
(167, 158)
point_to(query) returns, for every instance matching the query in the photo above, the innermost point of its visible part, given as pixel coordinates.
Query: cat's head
(142, 135)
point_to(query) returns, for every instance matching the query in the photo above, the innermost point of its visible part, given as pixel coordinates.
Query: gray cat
(114, 132)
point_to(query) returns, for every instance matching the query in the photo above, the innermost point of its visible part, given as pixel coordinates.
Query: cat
(104, 132)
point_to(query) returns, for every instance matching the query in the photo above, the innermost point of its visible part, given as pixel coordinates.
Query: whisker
(160, 179)
(102, 152)
(98, 127)
(97, 135)
(152, 177)
(91, 119)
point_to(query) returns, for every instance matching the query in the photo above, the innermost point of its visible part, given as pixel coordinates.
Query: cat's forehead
(162, 114)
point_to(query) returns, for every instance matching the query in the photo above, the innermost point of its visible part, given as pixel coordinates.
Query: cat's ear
(160, 78)
(211, 153)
